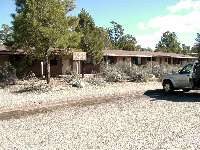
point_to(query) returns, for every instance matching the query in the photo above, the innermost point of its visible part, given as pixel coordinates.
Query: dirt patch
(17, 113)
(38, 93)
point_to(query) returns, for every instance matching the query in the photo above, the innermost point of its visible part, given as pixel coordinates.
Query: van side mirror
(179, 71)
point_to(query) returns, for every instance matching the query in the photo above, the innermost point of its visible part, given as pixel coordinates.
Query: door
(184, 76)
(196, 75)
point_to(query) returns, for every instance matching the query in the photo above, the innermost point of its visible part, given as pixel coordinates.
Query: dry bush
(135, 73)
(113, 73)
(96, 81)
(123, 71)
(159, 71)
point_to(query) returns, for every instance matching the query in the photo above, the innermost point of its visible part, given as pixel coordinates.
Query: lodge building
(61, 65)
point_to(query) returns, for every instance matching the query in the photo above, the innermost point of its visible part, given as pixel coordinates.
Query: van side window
(187, 69)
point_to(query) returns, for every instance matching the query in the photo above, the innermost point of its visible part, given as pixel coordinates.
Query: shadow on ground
(176, 96)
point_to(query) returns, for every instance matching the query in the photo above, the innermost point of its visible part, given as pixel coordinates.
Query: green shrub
(22, 65)
(7, 73)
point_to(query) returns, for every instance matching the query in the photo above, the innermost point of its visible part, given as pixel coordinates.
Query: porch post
(151, 64)
(42, 69)
(107, 61)
(77, 67)
(172, 62)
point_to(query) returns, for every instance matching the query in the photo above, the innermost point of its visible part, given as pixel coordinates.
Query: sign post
(78, 57)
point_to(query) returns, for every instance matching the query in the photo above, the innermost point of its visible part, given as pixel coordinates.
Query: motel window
(149, 59)
(111, 60)
(134, 60)
(15, 58)
(139, 61)
(153, 59)
(54, 61)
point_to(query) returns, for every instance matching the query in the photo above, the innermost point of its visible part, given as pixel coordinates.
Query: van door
(196, 75)
(185, 76)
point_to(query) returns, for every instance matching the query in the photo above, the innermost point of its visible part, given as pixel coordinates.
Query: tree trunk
(47, 69)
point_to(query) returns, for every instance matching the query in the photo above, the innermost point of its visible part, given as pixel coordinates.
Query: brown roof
(124, 53)
(4, 50)
(127, 53)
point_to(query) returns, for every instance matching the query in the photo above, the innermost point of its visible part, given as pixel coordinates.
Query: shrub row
(125, 71)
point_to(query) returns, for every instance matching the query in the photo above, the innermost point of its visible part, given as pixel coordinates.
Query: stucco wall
(66, 66)
(3, 59)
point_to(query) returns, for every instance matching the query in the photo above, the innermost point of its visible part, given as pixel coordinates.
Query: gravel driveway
(24, 95)
(146, 120)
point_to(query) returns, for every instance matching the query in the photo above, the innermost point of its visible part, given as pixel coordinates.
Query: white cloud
(185, 24)
(185, 5)
(177, 23)
(141, 26)
(149, 40)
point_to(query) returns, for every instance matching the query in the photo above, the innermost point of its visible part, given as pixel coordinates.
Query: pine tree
(42, 25)
(169, 43)
(94, 39)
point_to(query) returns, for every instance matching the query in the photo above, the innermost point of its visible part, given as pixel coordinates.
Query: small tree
(6, 35)
(196, 47)
(169, 43)
(121, 41)
(185, 49)
(116, 33)
(128, 42)
(42, 25)
(146, 49)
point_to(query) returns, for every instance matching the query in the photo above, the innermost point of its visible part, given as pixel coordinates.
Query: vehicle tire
(168, 87)
(186, 90)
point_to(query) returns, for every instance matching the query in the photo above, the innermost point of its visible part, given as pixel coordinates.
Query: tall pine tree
(94, 39)
(169, 43)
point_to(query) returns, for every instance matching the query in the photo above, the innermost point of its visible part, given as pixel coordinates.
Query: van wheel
(167, 87)
(186, 90)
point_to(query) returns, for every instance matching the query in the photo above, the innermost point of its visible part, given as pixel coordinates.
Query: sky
(145, 19)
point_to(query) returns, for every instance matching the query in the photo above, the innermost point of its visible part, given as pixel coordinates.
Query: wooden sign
(79, 56)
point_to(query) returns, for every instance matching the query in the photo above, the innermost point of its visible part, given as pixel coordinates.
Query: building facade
(62, 65)
(145, 57)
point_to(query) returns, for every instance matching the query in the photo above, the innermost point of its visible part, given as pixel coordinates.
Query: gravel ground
(26, 94)
(146, 120)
